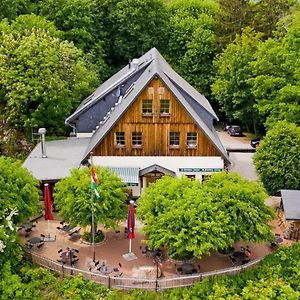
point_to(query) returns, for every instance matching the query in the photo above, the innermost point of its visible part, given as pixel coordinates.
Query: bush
(99, 236)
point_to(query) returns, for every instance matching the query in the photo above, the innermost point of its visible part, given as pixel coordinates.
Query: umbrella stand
(130, 225)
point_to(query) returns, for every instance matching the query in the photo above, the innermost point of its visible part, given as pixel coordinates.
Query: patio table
(35, 240)
(68, 257)
(106, 270)
(187, 268)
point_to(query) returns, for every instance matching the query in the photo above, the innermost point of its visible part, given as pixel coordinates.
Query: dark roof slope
(143, 71)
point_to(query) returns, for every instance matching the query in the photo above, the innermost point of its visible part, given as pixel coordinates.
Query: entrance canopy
(291, 204)
(129, 175)
(156, 168)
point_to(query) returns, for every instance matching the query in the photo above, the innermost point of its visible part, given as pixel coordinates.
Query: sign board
(200, 169)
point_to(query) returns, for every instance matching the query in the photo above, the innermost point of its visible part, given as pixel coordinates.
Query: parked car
(226, 127)
(255, 142)
(235, 130)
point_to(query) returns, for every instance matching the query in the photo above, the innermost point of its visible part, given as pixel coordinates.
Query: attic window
(120, 139)
(164, 107)
(147, 107)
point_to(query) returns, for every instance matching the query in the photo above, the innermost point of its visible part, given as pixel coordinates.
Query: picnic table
(35, 241)
(106, 270)
(69, 256)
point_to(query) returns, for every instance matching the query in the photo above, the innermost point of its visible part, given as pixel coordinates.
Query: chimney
(42, 132)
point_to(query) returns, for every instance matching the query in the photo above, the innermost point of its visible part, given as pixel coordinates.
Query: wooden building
(147, 121)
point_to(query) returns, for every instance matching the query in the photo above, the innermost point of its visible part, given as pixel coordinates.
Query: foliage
(276, 79)
(277, 159)
(192, 41)
(10, 9)
(81, 22)
(232, 16)
(78, 288)
(73, 198)
(18, 190)
(266, 14)
(231, 86)
(129, 31)
(99, 236)
(42, 77)
(188, 217)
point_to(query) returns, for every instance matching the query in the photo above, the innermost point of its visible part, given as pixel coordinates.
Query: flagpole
(93, 218)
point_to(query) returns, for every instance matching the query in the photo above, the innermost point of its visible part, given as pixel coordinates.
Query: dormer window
(164, 107)
(191, 140)
(174, 139)
(147, 107)
(120, 139)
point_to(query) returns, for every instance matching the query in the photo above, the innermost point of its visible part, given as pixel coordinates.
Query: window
(191, 140)
(164, 106)
(174, 139)
(147, 107)
(120, 139)
(136, 139)
(192, 177)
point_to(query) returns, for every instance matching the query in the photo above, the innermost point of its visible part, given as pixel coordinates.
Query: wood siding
(155, 129)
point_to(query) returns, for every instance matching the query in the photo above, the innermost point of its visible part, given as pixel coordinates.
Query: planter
(99, 238)
(225, 252)
(88, 243)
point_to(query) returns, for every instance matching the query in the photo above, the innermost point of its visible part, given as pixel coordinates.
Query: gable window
(174, 139)
(164, 107)
(191, 140)
(120, 139)
(136, 139)
(147, 107)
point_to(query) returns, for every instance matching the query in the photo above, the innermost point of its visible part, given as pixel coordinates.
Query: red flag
(131, 220)
(47, 202)
(94, 176)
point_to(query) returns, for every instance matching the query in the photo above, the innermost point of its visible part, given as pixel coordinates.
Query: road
(242, 162)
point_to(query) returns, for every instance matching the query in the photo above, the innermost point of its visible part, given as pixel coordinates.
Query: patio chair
(40, 245)
(179, 270)
(60, 251)
(76, 250)
(232, 260)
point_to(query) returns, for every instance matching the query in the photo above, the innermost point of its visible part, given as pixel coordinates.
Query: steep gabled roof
(150, 65)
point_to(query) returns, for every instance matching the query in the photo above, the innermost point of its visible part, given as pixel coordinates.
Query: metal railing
(138, 283)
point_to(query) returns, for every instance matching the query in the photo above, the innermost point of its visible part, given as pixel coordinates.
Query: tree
(275, 82)
(73, 198)
(19, 199)
(129, 31)
(277, 159)
(42, 78)
(191, 46)
(231, 18)
(192, 219)
(266, 13)
(231, 88)
(10, 9)
(19, 190)
(81, 22)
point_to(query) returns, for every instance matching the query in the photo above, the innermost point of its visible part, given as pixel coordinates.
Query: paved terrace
(114, 246)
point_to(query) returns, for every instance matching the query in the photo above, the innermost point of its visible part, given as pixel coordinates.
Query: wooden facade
(155, 128)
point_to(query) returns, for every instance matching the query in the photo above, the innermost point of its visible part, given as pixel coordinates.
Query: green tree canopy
(231, 87)
(73, 198)
(132, 27)
(232, 16)
(18, 190)
(193, 218)
(81, 22)
(277, 159)
(42, 78)
(19, 199)
(191, 45)
(275, 83)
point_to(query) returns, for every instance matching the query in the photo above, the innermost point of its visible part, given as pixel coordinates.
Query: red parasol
(131, 220)
(47, 202)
